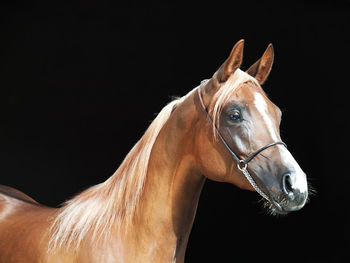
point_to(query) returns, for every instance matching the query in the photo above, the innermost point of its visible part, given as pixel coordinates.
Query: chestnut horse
(226, 130)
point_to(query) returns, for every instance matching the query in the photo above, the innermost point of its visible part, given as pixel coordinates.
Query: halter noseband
(241, 163)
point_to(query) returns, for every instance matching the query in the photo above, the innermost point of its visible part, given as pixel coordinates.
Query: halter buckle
(242, 165)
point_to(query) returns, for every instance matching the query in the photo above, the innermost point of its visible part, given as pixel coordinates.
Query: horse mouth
(283, 206)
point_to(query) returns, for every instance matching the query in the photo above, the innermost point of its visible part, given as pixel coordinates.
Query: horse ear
(232, 63)
(260, 70)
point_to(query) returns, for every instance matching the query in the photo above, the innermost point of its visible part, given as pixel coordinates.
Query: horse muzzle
(292, 193)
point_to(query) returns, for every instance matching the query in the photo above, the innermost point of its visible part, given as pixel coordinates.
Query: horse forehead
(247, 91)
(255, 95)
(260, 102)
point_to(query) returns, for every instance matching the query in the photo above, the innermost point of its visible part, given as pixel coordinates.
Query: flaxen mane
(113, 202)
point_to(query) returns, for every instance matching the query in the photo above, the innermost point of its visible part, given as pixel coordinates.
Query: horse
(226, 130)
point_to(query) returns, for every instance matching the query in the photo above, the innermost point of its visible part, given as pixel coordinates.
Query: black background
(81, 81)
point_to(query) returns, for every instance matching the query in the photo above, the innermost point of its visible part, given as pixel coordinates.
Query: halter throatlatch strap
(241, 163)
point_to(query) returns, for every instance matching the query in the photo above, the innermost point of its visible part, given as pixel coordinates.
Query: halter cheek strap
(241, 163)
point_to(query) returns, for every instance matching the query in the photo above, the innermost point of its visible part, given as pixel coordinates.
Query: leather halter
(241, 163)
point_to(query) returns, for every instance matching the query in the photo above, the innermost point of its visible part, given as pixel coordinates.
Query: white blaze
(287, 159)
(260, 104)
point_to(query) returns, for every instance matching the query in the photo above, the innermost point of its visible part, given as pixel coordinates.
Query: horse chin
(273, 208)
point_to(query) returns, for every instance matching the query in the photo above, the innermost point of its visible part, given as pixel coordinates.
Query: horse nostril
(287, 184)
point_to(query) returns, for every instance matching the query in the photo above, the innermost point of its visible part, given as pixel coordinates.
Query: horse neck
(172, 189)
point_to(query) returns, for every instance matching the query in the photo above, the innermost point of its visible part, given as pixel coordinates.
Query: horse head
(246, 124)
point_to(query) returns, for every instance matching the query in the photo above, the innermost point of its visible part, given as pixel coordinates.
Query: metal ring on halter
(242, 165)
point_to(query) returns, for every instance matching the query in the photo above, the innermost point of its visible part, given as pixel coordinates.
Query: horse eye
(235, 115)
